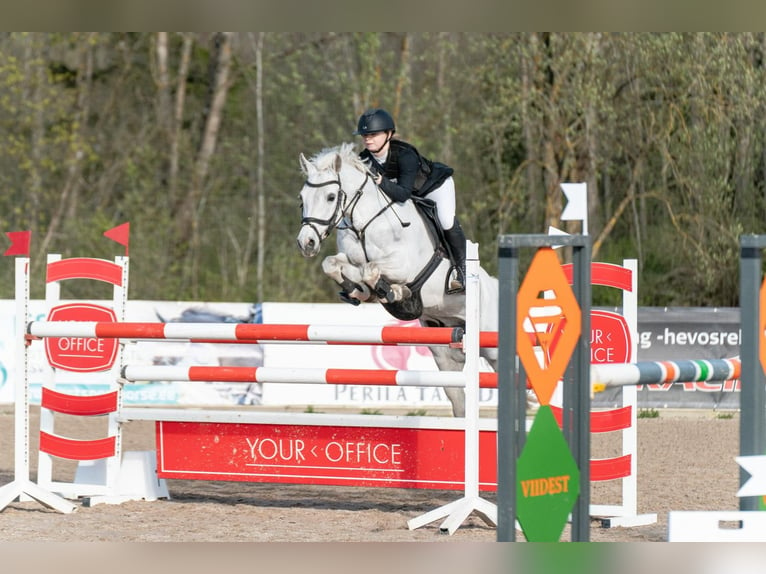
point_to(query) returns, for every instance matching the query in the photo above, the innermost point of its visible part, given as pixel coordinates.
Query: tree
(192, 203)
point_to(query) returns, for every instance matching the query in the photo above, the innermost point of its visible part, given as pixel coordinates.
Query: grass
(648, 414)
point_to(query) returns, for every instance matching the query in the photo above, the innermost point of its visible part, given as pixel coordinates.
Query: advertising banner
(335, 455)
(684, 333)
(689, 333)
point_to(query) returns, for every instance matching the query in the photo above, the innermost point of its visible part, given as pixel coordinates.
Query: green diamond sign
(548, 480)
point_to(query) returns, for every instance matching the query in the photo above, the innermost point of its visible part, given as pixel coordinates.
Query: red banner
(331, 455)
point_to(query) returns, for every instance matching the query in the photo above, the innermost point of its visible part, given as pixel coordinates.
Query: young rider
(402, 172)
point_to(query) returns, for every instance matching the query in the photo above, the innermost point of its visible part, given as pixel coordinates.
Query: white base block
(612, 516)
(137, 479)
(706, 526)
(91, 472)
(628, 520)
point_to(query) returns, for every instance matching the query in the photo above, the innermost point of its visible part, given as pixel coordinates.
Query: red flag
(120, 234)
(19, 242)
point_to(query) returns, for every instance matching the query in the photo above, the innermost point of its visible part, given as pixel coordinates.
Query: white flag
(577, 201)
(556, 231)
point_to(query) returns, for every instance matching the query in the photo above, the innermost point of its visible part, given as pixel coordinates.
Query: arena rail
(260, 333)
(132, 373)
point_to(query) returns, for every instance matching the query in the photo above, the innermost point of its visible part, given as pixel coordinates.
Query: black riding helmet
(373, 121)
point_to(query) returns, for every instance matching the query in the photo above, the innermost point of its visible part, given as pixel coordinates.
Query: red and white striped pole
(133, 373)
(259, 333)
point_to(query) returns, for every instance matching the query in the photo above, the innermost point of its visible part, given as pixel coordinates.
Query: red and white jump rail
(260, 333)
(133, 373)
(604, 376)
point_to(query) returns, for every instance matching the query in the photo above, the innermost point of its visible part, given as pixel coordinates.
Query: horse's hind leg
(448, 359)
(457, 398)
(491, 356)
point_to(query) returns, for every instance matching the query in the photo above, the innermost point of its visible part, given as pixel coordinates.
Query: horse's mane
(325, 159)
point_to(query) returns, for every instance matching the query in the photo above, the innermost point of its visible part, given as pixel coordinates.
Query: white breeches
(444, 197)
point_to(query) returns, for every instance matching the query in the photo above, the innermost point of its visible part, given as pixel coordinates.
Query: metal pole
(511, 411)
(752, 397)
(507, 411)
(580, 406)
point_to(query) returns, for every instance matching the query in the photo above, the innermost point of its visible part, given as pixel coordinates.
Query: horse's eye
(330, 197)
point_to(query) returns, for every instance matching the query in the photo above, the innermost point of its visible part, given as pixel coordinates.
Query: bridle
(343, 211)
(337, 215)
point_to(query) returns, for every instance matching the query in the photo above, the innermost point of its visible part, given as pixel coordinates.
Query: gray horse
(387, 252)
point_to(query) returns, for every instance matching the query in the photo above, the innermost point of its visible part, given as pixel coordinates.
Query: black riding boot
(456, 243)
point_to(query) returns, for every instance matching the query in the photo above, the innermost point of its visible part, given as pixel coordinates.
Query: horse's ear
(305, 164)
(338, 162)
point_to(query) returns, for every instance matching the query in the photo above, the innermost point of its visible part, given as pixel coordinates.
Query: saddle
(411, 308)
(427, 209)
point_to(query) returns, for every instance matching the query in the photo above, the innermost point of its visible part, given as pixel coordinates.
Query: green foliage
(648, 414)
(665, 129)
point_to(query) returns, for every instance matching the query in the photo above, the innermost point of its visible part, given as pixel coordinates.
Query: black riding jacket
(406, 172)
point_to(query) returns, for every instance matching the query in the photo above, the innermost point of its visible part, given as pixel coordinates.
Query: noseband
(330, 223)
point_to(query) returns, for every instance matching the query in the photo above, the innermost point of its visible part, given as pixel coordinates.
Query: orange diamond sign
(555, 322)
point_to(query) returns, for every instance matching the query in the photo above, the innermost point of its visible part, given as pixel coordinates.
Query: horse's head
(323, 198)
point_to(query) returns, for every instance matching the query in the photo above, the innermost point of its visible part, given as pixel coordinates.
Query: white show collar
(381, 159)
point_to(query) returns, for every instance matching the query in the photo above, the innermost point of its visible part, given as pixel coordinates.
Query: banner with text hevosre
(689, 333)
(664, 333)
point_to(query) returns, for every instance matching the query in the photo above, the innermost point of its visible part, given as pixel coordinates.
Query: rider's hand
(378, 179)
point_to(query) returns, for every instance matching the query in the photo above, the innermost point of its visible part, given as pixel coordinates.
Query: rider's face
(376, 142)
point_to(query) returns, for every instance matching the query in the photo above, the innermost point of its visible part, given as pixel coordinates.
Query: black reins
(343, 211)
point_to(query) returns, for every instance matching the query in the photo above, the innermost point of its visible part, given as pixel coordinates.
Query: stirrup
(455, 281)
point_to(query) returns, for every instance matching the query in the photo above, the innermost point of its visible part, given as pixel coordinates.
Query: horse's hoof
(385, 291)
(346, 299)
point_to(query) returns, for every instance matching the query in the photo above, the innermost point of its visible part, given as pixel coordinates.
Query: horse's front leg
(349, 277)
(384, 290)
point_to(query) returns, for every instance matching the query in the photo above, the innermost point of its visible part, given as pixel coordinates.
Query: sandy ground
(686, 462)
